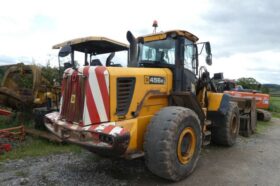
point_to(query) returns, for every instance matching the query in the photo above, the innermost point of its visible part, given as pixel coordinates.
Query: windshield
(160, 51)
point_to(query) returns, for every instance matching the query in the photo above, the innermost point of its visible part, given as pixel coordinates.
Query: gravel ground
(252, 161)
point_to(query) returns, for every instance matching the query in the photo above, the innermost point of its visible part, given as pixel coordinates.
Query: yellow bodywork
(151, 103)
(163, 35)
(143, 95)
(214, 100)
(154, 37)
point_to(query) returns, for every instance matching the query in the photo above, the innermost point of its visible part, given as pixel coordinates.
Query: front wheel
(173, 143)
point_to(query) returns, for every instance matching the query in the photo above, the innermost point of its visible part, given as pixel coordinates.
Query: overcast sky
(244, 34)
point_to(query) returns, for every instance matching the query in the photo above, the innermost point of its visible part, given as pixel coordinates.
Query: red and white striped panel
(107, 128)
(96, 107)
(67, 72)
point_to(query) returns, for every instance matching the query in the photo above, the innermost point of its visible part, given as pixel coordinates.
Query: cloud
(263, 66)
(243, 26)
(243, 34)
(5, 60)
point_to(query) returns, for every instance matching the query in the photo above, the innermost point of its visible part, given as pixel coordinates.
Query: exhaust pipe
(132, 61)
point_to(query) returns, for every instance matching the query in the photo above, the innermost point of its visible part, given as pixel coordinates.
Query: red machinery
(10, 134)
(230, 87)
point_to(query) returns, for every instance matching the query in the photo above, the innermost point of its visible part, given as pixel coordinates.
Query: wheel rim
(186, 145)
(234, 125)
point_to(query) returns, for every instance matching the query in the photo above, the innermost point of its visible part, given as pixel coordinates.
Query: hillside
(273, 88)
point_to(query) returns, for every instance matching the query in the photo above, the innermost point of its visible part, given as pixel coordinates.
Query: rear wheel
(226, 127)
(263, 115)
(173, 143)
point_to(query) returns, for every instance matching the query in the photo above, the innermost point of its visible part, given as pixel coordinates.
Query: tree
(253, 84)
(249, 83)
(265, 89)
(50, 73)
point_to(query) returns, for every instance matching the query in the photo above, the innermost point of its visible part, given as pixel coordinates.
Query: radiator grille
(125, 89)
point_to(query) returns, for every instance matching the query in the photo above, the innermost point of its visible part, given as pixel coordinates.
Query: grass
(33, 146)
(276, 114)
(262, 126)
(274, 104)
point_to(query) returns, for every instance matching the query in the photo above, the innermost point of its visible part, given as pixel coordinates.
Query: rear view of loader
(162, 106)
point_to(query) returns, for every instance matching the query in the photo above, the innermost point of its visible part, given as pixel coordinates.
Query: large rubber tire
(226, 128)
(173, 142)
(263, 115)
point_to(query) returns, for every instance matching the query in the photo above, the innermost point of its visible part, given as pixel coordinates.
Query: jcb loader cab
(162, 106)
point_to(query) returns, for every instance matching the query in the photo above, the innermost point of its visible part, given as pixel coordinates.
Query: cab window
(189, 55)
(160, 51)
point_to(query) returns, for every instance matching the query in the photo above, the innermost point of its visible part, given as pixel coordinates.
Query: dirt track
(252, 161)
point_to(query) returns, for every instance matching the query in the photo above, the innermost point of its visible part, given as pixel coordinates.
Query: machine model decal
(154, 80)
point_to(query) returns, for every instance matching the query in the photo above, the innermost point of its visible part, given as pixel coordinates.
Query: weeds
(33, 147)
(262, 126)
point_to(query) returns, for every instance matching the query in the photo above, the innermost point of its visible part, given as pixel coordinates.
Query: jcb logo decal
(147, 80)
(154, 80)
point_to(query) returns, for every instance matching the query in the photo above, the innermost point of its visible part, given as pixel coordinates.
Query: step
(207, 123)
(207, 138)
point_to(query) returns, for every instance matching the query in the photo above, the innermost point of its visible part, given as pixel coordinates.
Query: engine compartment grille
(125, 89)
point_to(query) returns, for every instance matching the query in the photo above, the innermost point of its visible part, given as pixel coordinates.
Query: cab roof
(93, 44)
(163, 35)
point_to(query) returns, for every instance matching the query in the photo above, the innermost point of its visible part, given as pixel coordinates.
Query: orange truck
(262, 100)
(230, 87)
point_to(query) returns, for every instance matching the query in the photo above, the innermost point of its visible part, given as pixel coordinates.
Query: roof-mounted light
(155, 25)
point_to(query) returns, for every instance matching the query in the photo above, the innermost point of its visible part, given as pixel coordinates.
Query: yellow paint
(214, 100)
(154, 37)
(41, 97)
(136, 128)
(152, 103)
(184, 157)
(201, 97)
(183, 33)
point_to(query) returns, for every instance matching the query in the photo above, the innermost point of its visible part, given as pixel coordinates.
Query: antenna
(155, 25)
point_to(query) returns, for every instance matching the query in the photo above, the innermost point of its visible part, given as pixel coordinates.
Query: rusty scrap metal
(9, 135)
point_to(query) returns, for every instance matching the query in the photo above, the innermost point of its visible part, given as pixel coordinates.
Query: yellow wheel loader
(162, 106)
(24, 87)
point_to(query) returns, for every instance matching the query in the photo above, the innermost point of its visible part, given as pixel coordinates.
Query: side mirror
(208, 48)
(65, 51)
(209, 59)
(209, 54)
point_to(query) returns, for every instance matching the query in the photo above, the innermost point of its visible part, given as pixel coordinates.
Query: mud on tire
(225, 128)
(172, 143)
